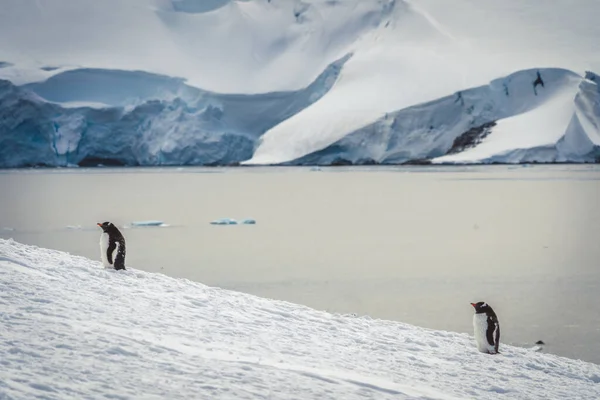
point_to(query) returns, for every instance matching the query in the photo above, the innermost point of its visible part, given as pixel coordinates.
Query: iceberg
(148, 223)
(231, 221)
(224, 221)
(75, 227)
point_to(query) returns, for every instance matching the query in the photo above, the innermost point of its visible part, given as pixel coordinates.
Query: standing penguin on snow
(487, 328)
(112, 246)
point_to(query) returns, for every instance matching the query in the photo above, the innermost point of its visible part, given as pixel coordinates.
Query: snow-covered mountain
(167, 82)
(71, 330)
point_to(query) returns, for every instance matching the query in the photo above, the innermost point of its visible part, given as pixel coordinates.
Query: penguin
(487, 328)
(112, 246)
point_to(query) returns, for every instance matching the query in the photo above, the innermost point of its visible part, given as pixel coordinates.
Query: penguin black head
(106, 226)
(481, 307)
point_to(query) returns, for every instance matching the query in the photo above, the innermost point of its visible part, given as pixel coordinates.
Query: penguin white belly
(103, 248)
(480, 325)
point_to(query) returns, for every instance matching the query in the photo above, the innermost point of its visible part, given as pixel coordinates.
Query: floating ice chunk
(148, 223)
(8, 229)
(224, 221)
(75, 227)
(231, 221)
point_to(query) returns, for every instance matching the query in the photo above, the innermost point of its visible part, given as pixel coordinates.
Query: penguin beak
(473, 304)
(99, 224)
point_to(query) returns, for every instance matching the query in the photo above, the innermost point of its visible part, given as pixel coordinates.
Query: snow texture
(524, 123)
(180, 82)
(71, 330)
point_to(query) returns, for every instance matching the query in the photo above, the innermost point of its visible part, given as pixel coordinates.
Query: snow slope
(398, 55)
(71, 329)
(559, 133)
(226, 46)
(530, 123)
(431, 49)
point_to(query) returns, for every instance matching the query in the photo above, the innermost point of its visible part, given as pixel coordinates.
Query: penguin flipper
(497, 338)
(489, 332)
(109, 251)
(492, 334)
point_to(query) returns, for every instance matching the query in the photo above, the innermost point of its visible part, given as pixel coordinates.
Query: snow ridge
(72, 329)
(531, 115)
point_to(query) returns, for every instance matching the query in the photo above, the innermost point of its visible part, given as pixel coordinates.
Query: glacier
(87, 117)
(270, 82)
(72, 329)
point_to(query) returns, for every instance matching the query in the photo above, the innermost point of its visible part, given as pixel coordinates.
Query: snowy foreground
(72, 330)
(218, 82)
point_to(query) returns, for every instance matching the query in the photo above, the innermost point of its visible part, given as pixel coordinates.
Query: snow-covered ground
(524, 123)
(157, 82)
(71, 329)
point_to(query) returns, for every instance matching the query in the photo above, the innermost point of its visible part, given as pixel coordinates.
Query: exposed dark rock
(366, 161)
(212, 164)
(460, 99)
(36, 165)
(417, 161)
(592, 76)
(471, 138)
(92, 161)
(319, 157)
(538, 81)
(340, 162)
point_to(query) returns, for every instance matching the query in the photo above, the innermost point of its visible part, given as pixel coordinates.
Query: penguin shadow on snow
(112, 246)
